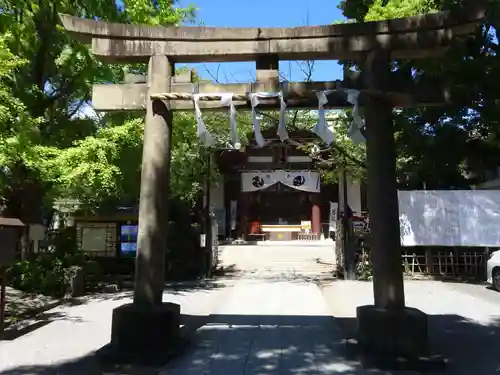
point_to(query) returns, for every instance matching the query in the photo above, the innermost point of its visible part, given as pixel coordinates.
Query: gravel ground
(20, 304)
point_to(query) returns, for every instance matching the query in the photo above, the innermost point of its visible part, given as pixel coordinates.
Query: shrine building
(277, 188)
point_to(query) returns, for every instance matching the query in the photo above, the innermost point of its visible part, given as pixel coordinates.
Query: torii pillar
(147, 328)
(387, 329)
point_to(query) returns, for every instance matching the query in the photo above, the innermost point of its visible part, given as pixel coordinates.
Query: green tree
(52, 84)
(443, 146)
(46, 81)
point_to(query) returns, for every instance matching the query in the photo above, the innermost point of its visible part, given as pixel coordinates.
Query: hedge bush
(49, 272)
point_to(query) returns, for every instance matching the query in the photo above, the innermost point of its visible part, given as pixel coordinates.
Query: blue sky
(266, 13)
(263, 13)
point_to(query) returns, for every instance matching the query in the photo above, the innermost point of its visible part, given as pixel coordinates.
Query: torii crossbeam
(388, 327)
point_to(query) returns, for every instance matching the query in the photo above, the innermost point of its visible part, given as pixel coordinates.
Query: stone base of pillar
(145, 335)
(394, 338)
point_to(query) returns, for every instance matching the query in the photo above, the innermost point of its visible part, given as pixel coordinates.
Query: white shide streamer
(202, 131)
(321, 129)
(254, 101)
(227, 100)
(358, 124)
(354, 132)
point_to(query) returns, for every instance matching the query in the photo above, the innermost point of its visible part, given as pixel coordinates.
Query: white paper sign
(450, 218)
(334, 206)
(233, 213)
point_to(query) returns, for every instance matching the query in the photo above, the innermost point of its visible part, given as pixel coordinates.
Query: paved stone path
(307, 261)
(275, 320)
(267, 328)
(268, 317)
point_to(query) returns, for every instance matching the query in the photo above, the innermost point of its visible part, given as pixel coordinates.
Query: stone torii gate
(388, 327)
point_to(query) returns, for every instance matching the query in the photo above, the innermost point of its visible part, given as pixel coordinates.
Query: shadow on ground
(40, 321)
(449, 279)
(268, 344)
(33, 320)
(290, 277)
(227, 271)
(231, 272)
(470, 347)
(186, 287)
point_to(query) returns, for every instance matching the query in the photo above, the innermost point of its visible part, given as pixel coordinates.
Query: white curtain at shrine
(258, 180)
(301, 180)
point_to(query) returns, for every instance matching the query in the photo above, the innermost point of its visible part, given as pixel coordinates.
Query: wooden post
(155, 177)
(208, 219)
(267, 70)
(382, 188)
(3, 286)
(347, 240)
(315, 216)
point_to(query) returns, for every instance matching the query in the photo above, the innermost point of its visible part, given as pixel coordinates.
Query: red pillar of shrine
(315, 217)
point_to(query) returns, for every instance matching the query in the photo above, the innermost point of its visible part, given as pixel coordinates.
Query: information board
(450, 218)
(94, 240)
(128, 240)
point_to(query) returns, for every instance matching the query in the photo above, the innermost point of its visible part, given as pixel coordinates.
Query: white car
(493, 270)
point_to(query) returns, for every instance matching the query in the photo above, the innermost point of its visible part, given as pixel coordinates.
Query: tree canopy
(50, 147)
(442, 147)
